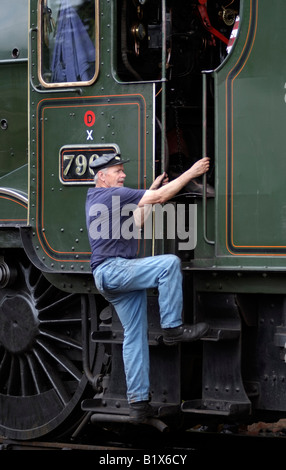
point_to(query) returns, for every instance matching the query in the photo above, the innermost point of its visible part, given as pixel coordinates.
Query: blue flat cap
(106, 160)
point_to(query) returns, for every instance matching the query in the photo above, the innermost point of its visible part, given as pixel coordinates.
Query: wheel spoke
(12, 382)
(61, 359)
(4, 368)
(53, 376)
(37, 374)
(25, 375)
(62, 339)
(44, 296)
(58, 305)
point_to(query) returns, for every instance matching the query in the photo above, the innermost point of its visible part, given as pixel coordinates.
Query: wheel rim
(41, 376)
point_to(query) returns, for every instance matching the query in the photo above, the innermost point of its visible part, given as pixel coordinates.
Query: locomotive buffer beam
(223, 390)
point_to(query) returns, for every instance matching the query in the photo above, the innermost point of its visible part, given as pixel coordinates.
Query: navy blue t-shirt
(110, 224)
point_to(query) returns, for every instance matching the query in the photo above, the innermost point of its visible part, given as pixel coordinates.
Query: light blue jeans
(123, 283)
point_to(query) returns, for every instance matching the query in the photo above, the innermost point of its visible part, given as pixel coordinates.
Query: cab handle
(204, 143)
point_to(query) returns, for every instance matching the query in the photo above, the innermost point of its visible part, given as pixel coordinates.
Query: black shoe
(184, 333)
(140, 411)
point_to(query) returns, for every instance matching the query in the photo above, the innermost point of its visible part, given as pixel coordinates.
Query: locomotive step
(221, 334)
(216, 407)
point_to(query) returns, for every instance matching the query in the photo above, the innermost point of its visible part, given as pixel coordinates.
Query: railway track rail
(156, 447)
(8, 444)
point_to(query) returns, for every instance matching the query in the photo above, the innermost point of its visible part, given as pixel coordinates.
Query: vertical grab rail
(163, 110)
(163, 93)
(204, 143)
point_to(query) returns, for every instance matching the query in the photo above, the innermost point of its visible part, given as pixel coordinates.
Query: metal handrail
(204, 133)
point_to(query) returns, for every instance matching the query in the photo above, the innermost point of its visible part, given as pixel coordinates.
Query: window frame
(81, 83)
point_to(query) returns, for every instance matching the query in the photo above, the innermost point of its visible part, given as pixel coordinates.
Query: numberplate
(75, 161)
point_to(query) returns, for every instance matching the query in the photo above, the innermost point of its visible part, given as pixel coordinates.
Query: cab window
(68, 46)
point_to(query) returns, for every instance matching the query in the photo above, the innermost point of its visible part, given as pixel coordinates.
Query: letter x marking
(89, 135)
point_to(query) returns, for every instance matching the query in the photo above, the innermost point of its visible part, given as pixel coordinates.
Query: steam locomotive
(162, 82)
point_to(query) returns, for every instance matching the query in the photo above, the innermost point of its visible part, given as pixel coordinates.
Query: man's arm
(169, 190)
(142, 213)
